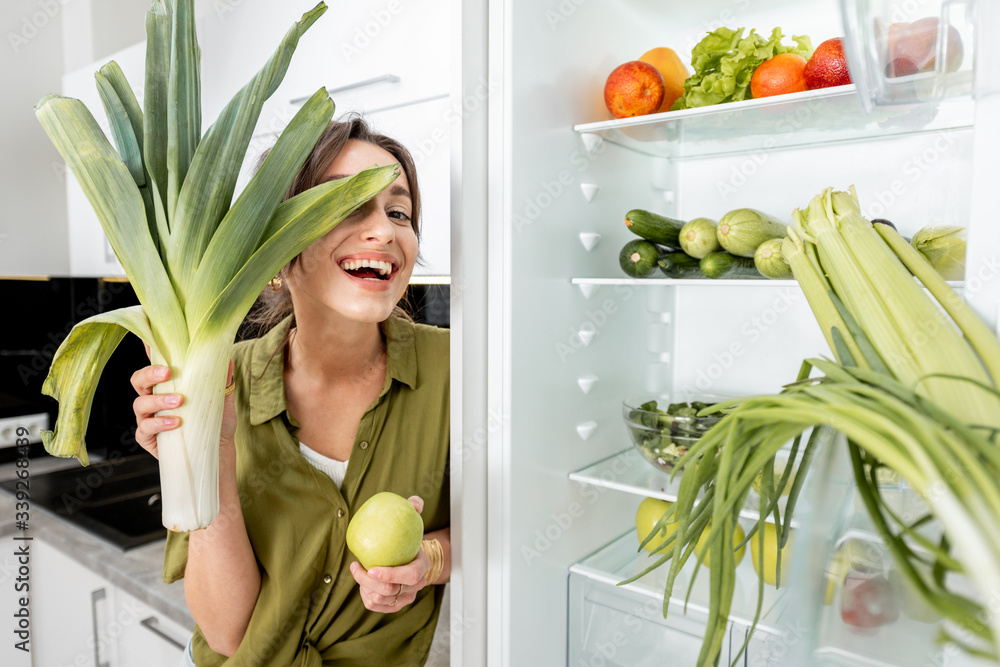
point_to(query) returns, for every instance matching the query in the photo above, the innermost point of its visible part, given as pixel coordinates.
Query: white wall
(33, 235)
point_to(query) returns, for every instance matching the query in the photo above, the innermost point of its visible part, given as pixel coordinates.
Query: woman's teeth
(384, 268)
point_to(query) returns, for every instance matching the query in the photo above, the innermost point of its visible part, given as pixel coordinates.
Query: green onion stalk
(196, 258)
(913, 388)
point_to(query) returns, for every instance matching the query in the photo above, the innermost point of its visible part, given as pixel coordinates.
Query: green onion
(196, 259)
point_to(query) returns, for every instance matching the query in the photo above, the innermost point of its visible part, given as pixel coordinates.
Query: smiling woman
(341, 148)
(340, 398)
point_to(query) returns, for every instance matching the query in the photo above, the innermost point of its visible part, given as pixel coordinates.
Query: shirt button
(364, 444)
(327, 579)
(340, 513)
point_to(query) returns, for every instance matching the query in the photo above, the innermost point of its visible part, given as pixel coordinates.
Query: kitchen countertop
(138, 571)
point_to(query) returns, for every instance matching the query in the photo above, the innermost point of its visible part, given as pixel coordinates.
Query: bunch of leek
(915, 390)
(196, 259)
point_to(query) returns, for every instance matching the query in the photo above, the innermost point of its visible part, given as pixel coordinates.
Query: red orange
(633, 89)
(827, 66)
(784, 73)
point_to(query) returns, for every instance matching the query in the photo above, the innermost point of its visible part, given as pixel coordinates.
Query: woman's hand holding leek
(221, 571)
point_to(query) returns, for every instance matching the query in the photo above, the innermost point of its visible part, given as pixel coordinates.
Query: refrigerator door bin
(909, 52)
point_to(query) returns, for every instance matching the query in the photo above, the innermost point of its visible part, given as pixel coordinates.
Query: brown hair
(274, 306)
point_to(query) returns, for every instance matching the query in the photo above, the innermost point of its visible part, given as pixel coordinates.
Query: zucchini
(638, 258)
(698, 237)
(654, 227)
(679, 265)
(725, 265)
(742, 230)
(770, 262)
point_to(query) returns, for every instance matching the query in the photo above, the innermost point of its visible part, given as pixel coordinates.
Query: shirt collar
(267, 366)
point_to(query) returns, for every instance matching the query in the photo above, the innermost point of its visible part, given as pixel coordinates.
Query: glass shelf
(708, 282)
(619, 560)
(704, 282)
(810, 118)
(627, 471)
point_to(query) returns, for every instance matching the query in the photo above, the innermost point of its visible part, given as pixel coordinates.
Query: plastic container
(908, 52)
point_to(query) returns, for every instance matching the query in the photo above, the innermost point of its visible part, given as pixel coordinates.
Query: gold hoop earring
(276, 283)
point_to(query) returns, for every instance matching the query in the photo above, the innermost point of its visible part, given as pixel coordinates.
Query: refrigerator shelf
(810, 118)
(699, 282)
(708, 282)
(619, 560)
(627, 471)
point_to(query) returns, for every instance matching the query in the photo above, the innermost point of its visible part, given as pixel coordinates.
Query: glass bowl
(663, 428)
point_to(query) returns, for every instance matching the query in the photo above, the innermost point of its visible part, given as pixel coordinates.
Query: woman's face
(360, 269)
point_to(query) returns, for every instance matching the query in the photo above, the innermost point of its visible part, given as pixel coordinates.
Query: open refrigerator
(550, 335)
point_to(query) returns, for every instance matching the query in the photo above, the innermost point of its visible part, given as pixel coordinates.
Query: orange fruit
(633, 89)
(784, 73)
(827, 66)
(673, 71)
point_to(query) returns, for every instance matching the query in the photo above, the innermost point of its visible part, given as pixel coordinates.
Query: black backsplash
(40, 314)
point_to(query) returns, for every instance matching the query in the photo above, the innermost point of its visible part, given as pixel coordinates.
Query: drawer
(148, 638)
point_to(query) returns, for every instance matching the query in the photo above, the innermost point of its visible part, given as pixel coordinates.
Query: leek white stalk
(196, 259)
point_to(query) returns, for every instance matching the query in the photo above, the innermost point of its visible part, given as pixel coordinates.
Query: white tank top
(332, 467)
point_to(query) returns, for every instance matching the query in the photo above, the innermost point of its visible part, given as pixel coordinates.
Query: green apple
(649, 512)
(385, 532)
(738, 536)
(770, 573)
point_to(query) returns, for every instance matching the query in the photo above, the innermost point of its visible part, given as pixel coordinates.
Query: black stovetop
(117, 499)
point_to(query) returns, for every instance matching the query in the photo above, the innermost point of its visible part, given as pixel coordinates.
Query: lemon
(738, 536)
(649, 512)
(770, 574)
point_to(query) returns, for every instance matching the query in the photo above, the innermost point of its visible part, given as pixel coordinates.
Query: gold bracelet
(436, 555)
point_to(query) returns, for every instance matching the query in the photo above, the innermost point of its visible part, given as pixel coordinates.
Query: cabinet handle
(151, 625)
(387, 78)
(95, 597)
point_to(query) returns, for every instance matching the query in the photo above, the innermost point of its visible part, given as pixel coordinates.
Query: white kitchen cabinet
(148, 638)
(79, 618)
(70, 611)
(369, 55)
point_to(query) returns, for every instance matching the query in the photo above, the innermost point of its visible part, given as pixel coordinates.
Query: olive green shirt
(309, 612)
